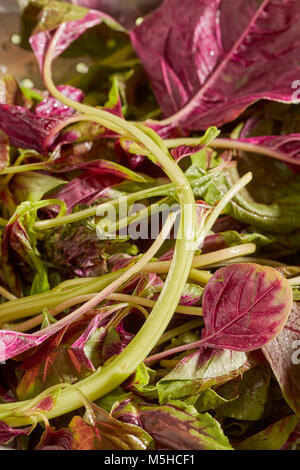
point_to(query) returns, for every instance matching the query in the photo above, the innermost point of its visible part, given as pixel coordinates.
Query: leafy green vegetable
(271, 438)
(161, 347)
(174, 425)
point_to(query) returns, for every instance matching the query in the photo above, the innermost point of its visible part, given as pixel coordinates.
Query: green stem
(103, 294)
(92, 211)
(31, 305)
(118, 369)
(205, 260)
(201, 277)
(75, 288)
(179, 330)
(22, 168)
(234, 144)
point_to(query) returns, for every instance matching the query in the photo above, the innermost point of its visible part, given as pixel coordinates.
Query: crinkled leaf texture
(245, 306)
(206, 67)
(283, 355)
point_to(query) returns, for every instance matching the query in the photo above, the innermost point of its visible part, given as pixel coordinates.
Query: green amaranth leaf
(201, 371)
(271, 438)
(31, 186)
(20, 241)
(279, 216)
(253, 395)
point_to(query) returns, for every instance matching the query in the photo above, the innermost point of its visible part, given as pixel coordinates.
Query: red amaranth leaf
(206, 67)
(25, 129)
(7, 434)
(85, 437)
(245, 306)
(53, 439)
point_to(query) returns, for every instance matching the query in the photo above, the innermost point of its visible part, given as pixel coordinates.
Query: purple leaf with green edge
(271, 438)
(85, 437)
(52, 439)
(221, 67)
(11, 276)
(200, 371)
(191, 294)
(230, 238)
(4, 151)
(8, 434)
(115, 341)
(25, 129)
(186, 150)
(85, 188)
(53, 363)
(87, 346)
(245, 306)
(136, 161)
(283, 356)
(253, 395)
(103, 167)
(115, 434)
(149, 285)
(47, 403)
(67, 24)
(139, 383)
(173, 425)
(52, 107)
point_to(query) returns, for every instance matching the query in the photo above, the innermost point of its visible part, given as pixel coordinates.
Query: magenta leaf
(52, 107)
(25, 129)
(51, 439)
(7, 434)
(124, 12)
(245, 306)
(14, 343)
(85, 188)
(206, 67)
(65, 29)
(184, 150)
